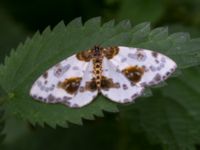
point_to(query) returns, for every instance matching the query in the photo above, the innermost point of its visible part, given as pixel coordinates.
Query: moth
(119, 73)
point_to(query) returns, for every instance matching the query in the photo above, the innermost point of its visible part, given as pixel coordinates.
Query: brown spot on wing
(84, 55)
(110, 52)
(154, 54)
(70, 85)
(107, 83)
(50, 98)
(45, 75)
(125, 87)
(157, 77)
(133, 73)
(91, 85)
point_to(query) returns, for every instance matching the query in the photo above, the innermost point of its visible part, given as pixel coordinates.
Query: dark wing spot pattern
(107, 83)
(91, 85)
(133, 73)
(45, 75)
(84, 55)
(70, 85)
(110, 52)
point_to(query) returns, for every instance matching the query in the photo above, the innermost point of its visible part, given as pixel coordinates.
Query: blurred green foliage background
(22, 18)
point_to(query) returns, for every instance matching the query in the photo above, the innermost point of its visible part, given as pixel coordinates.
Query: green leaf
(194, 32)
(171, 116)
(36, 55)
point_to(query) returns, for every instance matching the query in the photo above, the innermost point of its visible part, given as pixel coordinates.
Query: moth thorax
(97, 71)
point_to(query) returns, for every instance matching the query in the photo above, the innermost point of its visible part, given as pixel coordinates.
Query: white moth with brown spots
(119, 73)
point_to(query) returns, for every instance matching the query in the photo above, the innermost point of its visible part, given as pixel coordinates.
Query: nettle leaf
(42, 51)
(185, 121)
(171, 116)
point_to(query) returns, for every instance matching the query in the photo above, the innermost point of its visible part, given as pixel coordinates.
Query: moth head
(97, 51)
